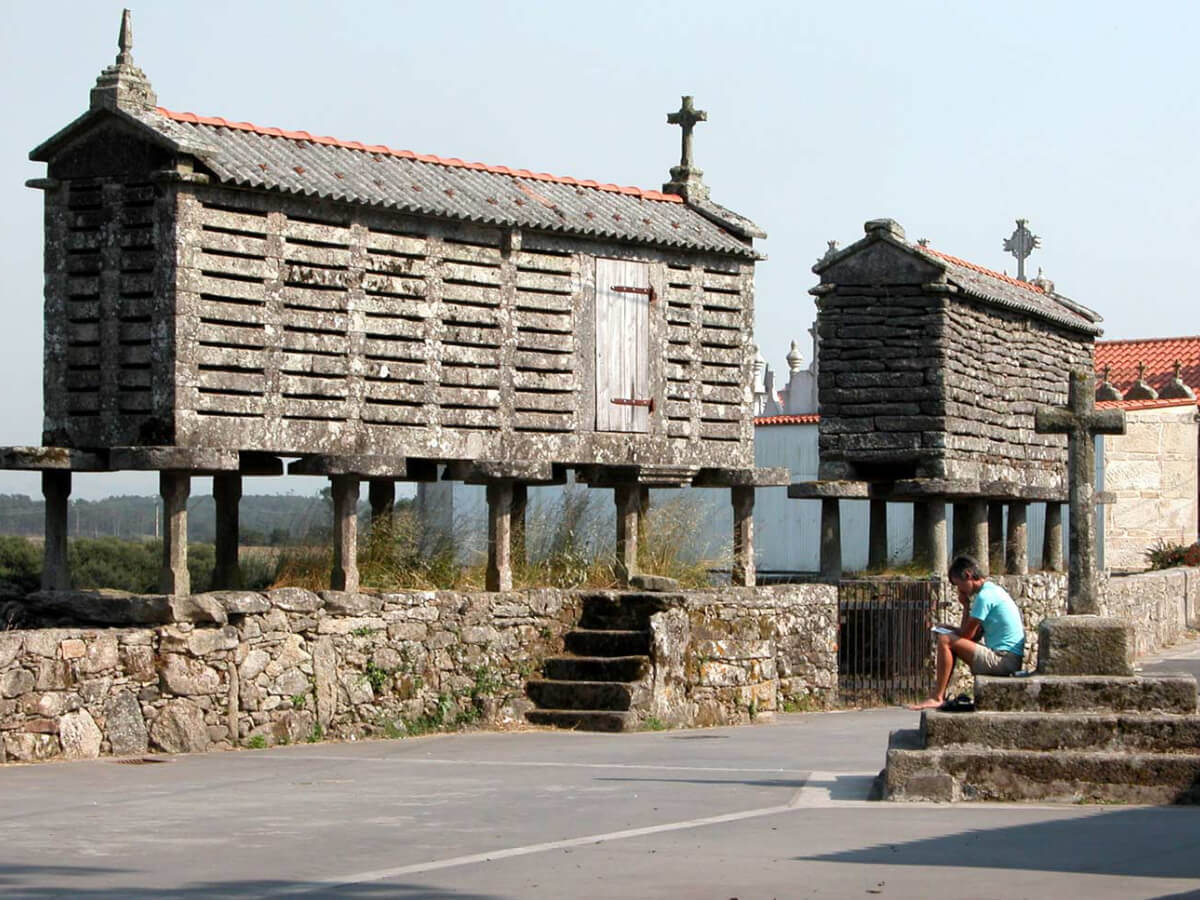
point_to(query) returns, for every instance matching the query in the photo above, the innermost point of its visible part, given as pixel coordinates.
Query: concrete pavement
(775, 810)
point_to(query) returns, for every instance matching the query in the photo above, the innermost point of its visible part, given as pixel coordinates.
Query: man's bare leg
(949, 648)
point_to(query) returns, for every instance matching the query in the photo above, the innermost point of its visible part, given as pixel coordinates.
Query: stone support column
(344, 489)
(628, 500)
(520, 506)
(877, 549)
(977, 532)
(996, 537)
(831, 539)
(1052, 539)
(56, 489)
(743, 573)
(499, 560)
(174, 487)
(381, 494)
(227, 493)
(643, 520)
(933, 517)
(1017, 542)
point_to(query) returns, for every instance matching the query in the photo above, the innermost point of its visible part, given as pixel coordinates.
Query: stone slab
(50, 458)
(172, 459)
(761, 477)
(1083, 693)
(1085, 645)
(365, 466)
(823, 490)
(1065, 776)
(1130, 732)
(99, 607)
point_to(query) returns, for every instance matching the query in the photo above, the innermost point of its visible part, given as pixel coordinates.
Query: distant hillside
(265, 518)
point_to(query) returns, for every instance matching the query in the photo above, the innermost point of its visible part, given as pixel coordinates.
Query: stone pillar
(643, 526)
(344, 489)
(519, 506)
(381, 494)
(877, 548)
(743, 574)
(933, 541)
(628, 500)
(831, 539)
(1017, 541)
(56, 489)
(977, 532)
(175, 488)
(499, 559)
(227, 493)
(996, 537)
(1052, 539)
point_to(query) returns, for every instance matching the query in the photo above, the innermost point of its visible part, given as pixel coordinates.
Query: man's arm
(971, 628)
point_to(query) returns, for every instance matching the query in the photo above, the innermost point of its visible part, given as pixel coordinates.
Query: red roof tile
(408, 154)
(1132, 405)
(804, 419)
(1159, 355)
(1015, 282)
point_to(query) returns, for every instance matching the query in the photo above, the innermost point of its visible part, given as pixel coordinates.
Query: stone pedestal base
(1085, 645)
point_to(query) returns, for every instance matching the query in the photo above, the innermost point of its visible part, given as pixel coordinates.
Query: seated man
(990, 639)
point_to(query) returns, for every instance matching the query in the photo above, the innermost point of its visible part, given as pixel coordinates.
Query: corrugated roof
(1158, 354)
(248, 155)
(1007, 291)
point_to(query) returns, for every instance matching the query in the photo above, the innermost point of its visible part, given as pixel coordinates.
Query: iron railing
(884, 642)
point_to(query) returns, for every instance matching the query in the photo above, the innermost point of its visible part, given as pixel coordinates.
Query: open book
(941, 629)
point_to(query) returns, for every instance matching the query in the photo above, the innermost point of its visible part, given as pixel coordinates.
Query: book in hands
(942, 629)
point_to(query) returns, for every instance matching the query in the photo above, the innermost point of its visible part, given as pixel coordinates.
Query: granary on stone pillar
(930, 370)
(222, 295)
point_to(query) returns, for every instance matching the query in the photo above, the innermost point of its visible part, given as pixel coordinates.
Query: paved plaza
(776, 810)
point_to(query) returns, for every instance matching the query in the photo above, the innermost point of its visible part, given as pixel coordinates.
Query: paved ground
(756, 812)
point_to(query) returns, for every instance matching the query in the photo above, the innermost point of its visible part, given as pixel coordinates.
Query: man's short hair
(965, 567)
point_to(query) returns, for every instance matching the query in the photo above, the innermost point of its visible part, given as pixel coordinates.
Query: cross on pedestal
(1081, 422)
(686, 118)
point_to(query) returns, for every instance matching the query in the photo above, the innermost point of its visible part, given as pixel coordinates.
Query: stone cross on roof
(1020, 244)
(685, 177)
(1081, 422)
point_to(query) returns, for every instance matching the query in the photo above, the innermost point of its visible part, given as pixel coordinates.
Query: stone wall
(1152, 471)
(254, 669)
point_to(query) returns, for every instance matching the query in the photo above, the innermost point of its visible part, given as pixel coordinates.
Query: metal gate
(884, 643)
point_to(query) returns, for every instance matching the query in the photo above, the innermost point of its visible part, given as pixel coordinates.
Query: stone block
(241, 603)
(101, 607)
(10, 647)
(100, 654)
(124, 726)
(1174, 693)
(656, 583)
(73, 648)
(350, 624)
(204, 608)
(179, 727)
(295, 600)
(204, 641)
(15, 682)
(1085, 645)
(344, 604)
(30, 747)
(184, 676)
(79, 736)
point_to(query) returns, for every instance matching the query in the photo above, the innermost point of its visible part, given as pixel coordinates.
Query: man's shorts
(988, 662)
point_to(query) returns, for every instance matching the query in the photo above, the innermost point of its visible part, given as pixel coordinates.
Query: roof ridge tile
(983, 270)
(382, 149)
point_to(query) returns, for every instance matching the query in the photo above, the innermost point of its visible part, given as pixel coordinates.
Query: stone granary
(221, 296)
(930, 370)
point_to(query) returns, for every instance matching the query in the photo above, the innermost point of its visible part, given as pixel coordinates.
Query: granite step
(1066, 776)
(590, 695)
(620, 611)
(607, 642)
(1131, 732)
(596, 668)
(1171, 693)
(584, 720)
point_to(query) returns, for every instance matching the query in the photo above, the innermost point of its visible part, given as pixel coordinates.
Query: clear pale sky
(952, 118)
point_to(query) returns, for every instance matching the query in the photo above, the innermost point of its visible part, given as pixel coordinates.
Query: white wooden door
(623, 296)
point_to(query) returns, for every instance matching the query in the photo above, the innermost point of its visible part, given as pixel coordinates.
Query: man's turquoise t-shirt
(1002, 628)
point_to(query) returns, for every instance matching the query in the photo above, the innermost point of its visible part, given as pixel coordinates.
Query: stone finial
(1043, 282)
(686, 179)
(1020, 244)
(830, 250)
(123, 84)
(1175, 389)
(795, 359)
(884, 227)
(922, 242)
(1107, 390)
(1141, 389)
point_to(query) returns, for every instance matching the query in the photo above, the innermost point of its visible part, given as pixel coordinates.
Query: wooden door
(623, 297)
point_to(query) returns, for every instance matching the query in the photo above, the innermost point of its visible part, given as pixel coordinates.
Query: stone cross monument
(686, 179)
(1081, 422)
(1021, 244)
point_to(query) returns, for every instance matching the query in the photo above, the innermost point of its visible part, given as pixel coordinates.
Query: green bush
(20, 563)
(1165, 555)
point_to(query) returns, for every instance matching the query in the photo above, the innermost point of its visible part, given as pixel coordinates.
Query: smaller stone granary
(931, 368)
(222, 296)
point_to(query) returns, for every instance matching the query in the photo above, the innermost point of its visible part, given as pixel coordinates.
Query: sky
(954, 119)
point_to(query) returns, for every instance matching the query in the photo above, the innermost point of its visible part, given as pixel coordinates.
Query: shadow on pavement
(23, 882)
(1147, 842)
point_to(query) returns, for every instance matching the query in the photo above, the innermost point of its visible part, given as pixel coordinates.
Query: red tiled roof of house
(383, 150)
(1158, 354)
(801, 419)
(1134, 405)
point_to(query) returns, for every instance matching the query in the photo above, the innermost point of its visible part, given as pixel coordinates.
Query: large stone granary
(931, 369)
(221, 295)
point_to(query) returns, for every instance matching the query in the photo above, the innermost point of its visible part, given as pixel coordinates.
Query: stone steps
(588, 695)
(609, 642)
(1135, 732)
(584, 720)
(628, 612)
(596, 668)
(1083, 693)
(1005, 774)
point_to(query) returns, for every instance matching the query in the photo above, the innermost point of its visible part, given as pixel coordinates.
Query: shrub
(20, 564)
(1191, 556)
(1165, 555)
